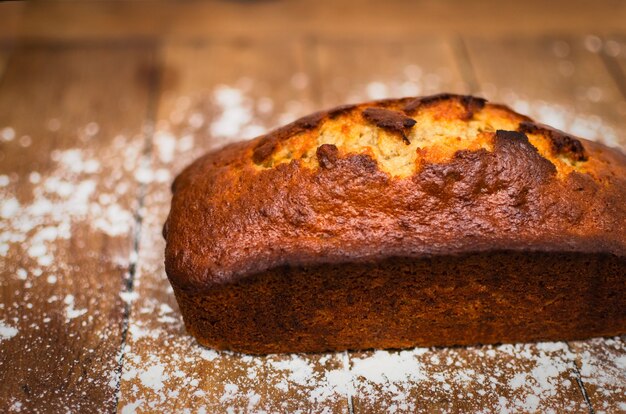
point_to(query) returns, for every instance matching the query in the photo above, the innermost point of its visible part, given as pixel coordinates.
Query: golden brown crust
(344, 187)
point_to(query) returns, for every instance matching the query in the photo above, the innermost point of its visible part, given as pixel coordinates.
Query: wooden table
(101, 104)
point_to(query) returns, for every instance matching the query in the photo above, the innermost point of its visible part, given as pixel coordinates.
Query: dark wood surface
(101, 104)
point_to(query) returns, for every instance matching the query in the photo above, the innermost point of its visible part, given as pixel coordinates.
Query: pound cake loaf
(429, 221)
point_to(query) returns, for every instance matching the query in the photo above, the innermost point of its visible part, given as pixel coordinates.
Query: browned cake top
(435, 175)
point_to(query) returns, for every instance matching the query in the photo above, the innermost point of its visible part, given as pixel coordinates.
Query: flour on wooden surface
(7, 134)
(162, 363)
(603, 368)
(70, 311)
(72, 192)
(47, 216)
(7, 331)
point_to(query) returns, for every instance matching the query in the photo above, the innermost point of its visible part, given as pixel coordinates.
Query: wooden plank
(70, 137)
(558, 81)
(4, 57)
(355, 71)
(563, 82)
(10, 19)
(612, 50)
(214, 93)
(506, 378)
(400, 19)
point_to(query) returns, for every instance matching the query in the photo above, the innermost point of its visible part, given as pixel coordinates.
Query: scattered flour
(383, 367)
(565, 118)
(235, 115)
(603, 365)
(208, 354)
(6, 331)
(7, 134)
(162, 364)
(131, 408)
(230, 392)
(128, 297)
(65, 196)
(70, 311)
(153, 377)
(46, 219)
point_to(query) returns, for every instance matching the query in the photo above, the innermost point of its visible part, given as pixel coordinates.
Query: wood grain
(281, 19)
(202, 85)
(71, 121)
(613, 54)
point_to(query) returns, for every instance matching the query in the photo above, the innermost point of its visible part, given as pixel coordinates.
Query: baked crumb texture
(440, 220)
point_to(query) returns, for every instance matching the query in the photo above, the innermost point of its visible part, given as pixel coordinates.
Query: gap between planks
(463, 61)
(614, 68)
(75, 82)
(581, 384)
(154, 85)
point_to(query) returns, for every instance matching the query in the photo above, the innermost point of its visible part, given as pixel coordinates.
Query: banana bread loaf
(439, 220)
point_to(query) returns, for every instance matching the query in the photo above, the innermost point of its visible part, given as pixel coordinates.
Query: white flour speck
(128, 297)
(7, 134)
(6, 331)
(70, 312)
(9, 208)
(153, 377)
(131, 408)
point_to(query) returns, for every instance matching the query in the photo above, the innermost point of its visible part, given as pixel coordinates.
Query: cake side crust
(496, 297)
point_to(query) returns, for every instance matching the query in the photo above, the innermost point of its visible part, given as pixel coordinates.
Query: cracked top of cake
(412, 177)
